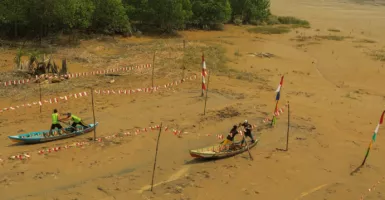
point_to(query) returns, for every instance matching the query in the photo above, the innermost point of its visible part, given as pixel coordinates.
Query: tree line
(39, 18)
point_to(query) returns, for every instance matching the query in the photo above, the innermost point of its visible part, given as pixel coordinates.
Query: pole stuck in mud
(156, 154)
(40, 93)
(93, 112)
(288, 126)
(153, 67)
(183, 64)
(207, 91)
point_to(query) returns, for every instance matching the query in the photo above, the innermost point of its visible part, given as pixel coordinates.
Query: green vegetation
(332, 37)
(294, 21)
(250, 11)
(379, 55)
(270, 29)
(333, 30)
(365, 41)
(279, 25)
(42, 18)
(286, 20)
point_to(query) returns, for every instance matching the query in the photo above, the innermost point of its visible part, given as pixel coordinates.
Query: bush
(237, 20)
(251, 10)
(270, 29)
(272, 20)
(257, 22)
(293, 21)
(208, 12)
(218, 27)
(110, 17)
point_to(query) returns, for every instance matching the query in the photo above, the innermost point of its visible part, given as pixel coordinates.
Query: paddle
(247, 145)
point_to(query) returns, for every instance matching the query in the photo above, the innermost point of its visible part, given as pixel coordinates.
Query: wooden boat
(38, 137)
(220, 151)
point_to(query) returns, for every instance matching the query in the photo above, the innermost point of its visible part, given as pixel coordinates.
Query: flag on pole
(280, 85)
(278, 96)
(204, 72)
(373, 137)
(378, 127)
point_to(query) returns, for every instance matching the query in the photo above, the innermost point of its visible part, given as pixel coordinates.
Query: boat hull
(37, 137)
(213, 152)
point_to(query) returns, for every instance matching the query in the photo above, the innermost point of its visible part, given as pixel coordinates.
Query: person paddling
(56, 123)
(230, 137)
(75, 121)
(248, 128)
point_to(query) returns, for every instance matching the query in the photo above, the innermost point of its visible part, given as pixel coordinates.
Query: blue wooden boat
(38, 137)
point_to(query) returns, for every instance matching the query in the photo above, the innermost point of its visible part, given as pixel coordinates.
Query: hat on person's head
(245, 120)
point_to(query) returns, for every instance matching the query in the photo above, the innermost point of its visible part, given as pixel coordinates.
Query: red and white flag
(204, 72)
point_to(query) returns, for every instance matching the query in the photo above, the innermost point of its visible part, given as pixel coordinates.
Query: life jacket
(55, 118)
(76, 119)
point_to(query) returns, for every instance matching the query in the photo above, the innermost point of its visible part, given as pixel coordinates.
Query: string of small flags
(135, 132)
(108, 92)
(363, 196)
(25, 156)
(75, 75)
(277, 113)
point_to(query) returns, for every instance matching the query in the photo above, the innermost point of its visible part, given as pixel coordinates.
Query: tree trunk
(15, 29)
(41, 32)
(63, 67)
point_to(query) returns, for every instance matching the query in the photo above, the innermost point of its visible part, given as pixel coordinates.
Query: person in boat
(247, 128)
(75, 121)
(230, 137)
(56, 123)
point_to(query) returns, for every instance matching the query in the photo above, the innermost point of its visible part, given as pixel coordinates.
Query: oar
(248, 149)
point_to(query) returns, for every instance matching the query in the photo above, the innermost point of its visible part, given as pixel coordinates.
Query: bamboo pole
(288, 126)
(153, 67)
(93, 112)
(183, 64)
(207, 91)
(156, 154)
(40, 93)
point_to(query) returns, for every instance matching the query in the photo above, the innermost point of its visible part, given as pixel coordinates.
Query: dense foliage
(39, 18)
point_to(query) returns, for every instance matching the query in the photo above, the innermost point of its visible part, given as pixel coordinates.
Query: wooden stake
(40, 93)
(288, 126)
(153, 67)
(207, 91)
(183, 66)
(156, 154)
(93, 112)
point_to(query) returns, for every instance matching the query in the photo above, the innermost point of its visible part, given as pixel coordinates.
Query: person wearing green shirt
(56, 123)
(75, 121)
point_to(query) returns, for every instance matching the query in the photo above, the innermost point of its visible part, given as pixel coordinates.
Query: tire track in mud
(45, 191)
